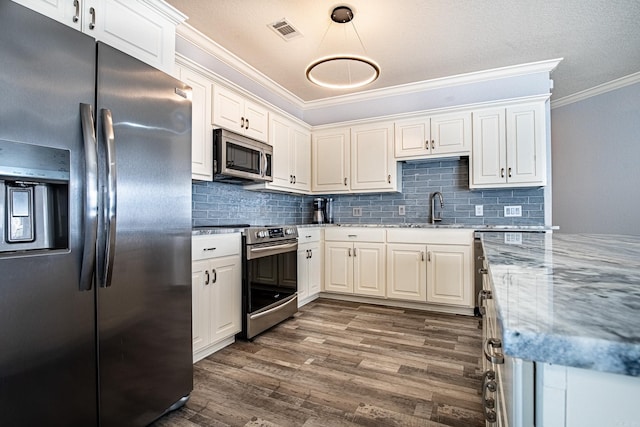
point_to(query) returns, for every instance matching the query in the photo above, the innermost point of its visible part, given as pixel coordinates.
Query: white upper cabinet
(373, 166)
(358, 159)
(236, 113)
(145, 30)
(291, 155)
(509, 147)
(201, 129)
(434, 136)
(330, 154)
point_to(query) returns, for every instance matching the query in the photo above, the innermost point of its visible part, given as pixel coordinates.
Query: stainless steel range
(269, 277)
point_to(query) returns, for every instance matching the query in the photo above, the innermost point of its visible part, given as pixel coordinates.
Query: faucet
(435, 218)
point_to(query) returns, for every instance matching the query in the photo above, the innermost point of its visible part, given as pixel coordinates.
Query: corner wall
(596, 163)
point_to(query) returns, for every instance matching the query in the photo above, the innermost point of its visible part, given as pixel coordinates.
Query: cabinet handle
(509, 173)
(206, 272)
(310, 254)
(433, 145)
(429, 256)
(242, 122)
(490, 344)
(76, 4)
(209, 249)
(92, 12)
(354, 252)
(483, 295)
(488, 403)
(389, 179)
(426, 144)
(345, 181)
(352, 235)
(215, 276)
(483, 271)
(246, 124)
(421, 255)
(290, 179)
(501, 172)
(294, 179)
(349, 251)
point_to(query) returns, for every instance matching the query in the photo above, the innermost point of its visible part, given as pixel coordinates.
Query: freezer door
(47, 335)
(144, 306)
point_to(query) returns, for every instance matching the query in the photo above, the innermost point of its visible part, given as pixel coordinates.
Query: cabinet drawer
(355, 234)
(214, 246)
(433, 236)
(306, 235)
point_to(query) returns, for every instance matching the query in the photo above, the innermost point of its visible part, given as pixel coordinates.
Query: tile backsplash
(215, 203)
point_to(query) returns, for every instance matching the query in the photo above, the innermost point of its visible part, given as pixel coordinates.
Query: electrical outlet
(479, 210)
(357, 211)
(512, 211)
(401, 210)
(513, 238)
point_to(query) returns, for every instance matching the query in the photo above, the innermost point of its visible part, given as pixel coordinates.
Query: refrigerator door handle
(111, 197)
(91, 197)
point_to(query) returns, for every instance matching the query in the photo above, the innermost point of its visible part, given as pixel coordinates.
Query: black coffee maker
(322, 210)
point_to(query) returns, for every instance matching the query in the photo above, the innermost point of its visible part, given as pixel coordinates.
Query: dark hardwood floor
(343, 364)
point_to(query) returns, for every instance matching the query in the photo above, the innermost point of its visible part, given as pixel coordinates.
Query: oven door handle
(271, 250)
(271, 310)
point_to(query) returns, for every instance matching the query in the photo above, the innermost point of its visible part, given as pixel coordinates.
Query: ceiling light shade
(343, 70)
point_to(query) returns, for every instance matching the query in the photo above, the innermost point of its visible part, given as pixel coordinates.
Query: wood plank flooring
(343, 364)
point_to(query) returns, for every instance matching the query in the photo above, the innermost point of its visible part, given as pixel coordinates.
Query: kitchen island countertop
(569, 299)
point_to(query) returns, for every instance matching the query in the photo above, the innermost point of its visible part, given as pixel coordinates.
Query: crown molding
(195, 37)
(166, 10)
(443, 82)
(596, 90)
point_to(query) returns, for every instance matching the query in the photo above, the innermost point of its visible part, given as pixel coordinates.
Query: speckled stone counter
(568, 299)
(444, 226)
(214, 230)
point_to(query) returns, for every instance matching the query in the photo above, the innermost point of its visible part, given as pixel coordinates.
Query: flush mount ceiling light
(343, 71)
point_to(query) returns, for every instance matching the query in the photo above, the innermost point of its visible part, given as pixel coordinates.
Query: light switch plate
(479, 210)
(401, 210)
(512, 211)
(357, 211)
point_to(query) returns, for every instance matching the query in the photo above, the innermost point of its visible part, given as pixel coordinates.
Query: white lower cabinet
(309, 264)
(433, 266)
(216, 292)
(355, 261)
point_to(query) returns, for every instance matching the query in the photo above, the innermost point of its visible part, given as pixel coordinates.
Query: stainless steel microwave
(238, 159)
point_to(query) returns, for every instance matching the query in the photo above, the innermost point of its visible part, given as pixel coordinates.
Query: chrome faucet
(435, 218)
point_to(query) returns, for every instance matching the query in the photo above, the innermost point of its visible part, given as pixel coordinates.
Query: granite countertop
(569, 299)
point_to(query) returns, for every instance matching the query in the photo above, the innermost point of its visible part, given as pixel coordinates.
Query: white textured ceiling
(419, 40)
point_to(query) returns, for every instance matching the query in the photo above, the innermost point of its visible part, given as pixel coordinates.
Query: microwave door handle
(263, 167)
(91, 197)
(111, 197)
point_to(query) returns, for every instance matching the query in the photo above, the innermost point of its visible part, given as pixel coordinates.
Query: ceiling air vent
(285, 29)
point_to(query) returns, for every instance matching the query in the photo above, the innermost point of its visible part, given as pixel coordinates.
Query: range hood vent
(284, 29)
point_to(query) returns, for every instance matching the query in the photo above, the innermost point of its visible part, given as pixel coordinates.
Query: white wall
(596, 163)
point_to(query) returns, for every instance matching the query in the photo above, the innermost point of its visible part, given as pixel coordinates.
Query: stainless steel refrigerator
(95, 241)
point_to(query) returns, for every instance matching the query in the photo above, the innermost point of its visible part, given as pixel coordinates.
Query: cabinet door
(279, 139)
(369, 269)
(228, 109)
(201, 129)
(330, 159)
(338, 267)
(64, 11)
(303, 273)
(133, 28)
(449, 274)
(200, 282)
(526, 144)
(412, 137)
(256, 121)
(315, 268)
(372, 160)
(406, 272)
(488, 158)
(225, 297)
(451, 133)
(301, 156)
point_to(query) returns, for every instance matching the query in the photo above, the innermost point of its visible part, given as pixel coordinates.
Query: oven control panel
(270, 233)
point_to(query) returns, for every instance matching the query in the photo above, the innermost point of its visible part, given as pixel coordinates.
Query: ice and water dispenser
(34, 193)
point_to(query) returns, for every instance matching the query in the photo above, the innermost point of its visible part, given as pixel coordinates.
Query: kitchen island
(567, 310)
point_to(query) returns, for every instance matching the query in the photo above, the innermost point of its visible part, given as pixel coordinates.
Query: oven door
(270, 284)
